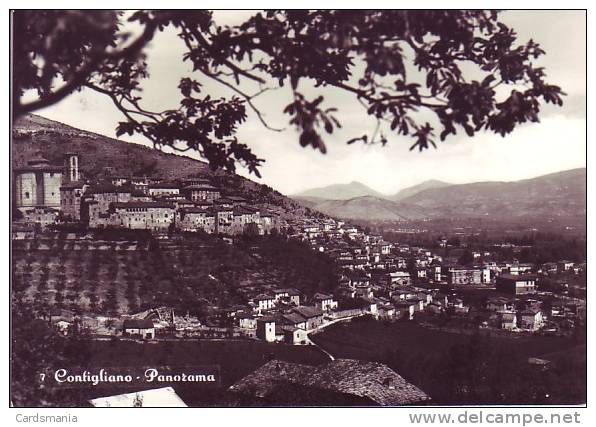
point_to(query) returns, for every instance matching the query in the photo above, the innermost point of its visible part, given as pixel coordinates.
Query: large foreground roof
(370, 380)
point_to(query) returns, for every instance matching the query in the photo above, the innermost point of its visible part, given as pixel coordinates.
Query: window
(26, 195)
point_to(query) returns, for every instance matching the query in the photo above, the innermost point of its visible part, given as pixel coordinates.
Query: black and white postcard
(298, 208)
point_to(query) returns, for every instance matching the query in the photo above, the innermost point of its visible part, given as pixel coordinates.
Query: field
(96, 279)
(457, 368)
(198, 275)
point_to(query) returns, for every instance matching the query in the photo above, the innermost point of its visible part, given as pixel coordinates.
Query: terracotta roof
(196, 211)
(223, 209)
(371, 380)
(148, 205)
(138, 193)
(319, 296)
(72, 185)
(529, 312)
(137, 324)
(166, 185)
(293, 318)
(240, 210)
(224, 200)
(517, 277)
(108, 187)
(307, 312)
(203, 187)
(39, 167)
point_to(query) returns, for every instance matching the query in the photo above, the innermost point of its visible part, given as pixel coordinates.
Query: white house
(143, 328)
(324, 302)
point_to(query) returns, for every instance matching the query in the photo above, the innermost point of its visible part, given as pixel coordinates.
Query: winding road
(320, 328)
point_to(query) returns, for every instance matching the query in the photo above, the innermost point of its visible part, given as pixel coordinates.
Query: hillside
(32, 134)
(196, 274)
(369, 208)
(339, 192)
(561, 194)
(410, 191)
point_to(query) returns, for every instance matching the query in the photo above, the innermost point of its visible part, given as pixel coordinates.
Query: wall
(51, 183)
(25, 183)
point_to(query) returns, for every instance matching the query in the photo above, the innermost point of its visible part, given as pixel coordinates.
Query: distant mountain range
(370, 208)
(358, 189)
(410, 191)
(339, 192)
(560, 194)
(556, 195)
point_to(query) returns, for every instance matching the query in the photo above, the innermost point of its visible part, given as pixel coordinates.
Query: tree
(363, 53)
(466, 258)
(36, 351)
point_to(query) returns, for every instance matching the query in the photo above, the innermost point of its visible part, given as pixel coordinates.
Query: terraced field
(198, 275)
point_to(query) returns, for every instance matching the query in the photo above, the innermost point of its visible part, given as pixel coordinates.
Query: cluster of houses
(396, 281)
(393, 282)
(46, 194)
(379, 278)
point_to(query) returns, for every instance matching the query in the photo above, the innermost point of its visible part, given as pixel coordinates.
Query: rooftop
(196, 211)
(371, 380)
(146, 205)
(39, 164)
(72, 185)
(137, 324)
(517, 277)
(164, 185)
(158, 397)
(201, 187)
(307, 312)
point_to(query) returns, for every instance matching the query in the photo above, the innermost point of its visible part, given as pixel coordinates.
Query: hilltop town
(376, 278)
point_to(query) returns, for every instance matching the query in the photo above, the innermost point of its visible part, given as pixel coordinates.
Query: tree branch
(203, 42)
(247, 98)
(85, 71)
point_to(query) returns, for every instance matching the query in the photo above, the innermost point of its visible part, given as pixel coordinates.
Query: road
(323, 326)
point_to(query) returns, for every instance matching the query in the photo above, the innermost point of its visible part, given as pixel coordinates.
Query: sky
(557, 143)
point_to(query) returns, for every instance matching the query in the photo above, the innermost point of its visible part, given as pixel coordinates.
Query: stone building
(96, 202)
(154, 216)
(266, 328)
(224, 217)
(201, 192)
(37, 185)
(195, 219)
(71, 194)
(516, 284)
(163, 189)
